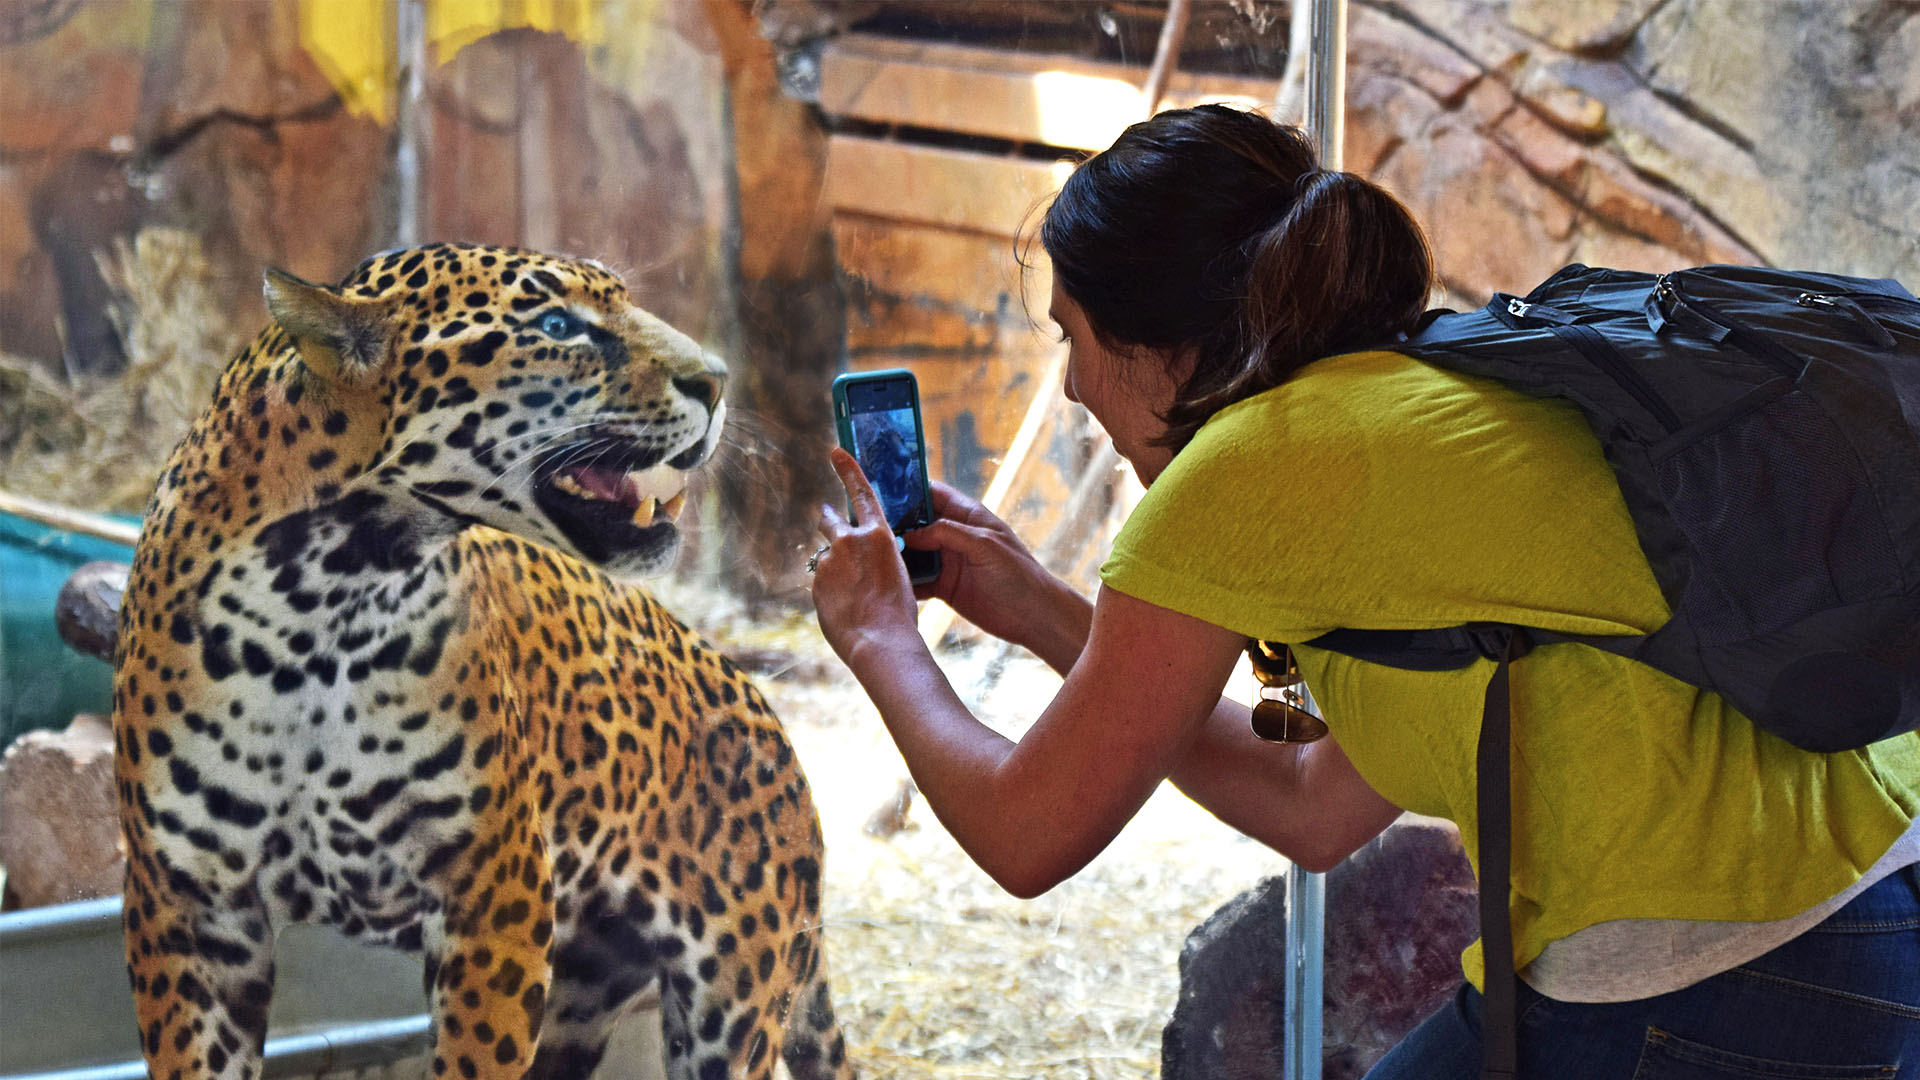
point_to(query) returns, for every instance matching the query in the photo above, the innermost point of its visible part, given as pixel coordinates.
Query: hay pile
(938, 973)
(100, 446)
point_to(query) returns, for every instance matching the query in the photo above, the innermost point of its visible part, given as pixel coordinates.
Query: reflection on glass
(885, 443)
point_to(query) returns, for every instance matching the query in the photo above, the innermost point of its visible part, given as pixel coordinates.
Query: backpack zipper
(1851, 304)
(1592, 345)
(1782, 359)
(1808, 299)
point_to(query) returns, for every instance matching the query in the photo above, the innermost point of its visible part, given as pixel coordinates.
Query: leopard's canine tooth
(660, 483)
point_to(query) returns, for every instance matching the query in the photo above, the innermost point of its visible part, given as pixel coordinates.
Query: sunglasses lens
(1277, 721)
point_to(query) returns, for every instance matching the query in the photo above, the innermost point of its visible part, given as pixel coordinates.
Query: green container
(43, 682)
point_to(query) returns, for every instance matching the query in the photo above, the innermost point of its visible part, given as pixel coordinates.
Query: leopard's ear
(340, 338)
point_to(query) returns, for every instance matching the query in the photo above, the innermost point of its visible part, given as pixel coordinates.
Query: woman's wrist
(872, 650)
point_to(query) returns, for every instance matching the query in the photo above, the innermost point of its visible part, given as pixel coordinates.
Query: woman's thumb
(946, 534)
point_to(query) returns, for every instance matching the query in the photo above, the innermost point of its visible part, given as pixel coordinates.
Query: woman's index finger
(862, 503)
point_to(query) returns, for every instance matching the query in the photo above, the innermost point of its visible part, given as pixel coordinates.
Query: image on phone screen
(887, 447)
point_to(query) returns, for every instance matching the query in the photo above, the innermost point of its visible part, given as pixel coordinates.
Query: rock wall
(1530, 133)
(279, 133)
(235, 122)
(1646, 134)
(652, 134)
(120, 115)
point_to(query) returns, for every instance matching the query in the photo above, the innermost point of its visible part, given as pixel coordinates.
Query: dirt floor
(939, 973)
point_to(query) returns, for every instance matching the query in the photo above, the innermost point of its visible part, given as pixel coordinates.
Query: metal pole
(1326, 95)
(1327, 81)
(412, 120)
(1166, 55)
(1305, 956)
(1287, 103)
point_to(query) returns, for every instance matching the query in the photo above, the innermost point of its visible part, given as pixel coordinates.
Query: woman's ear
(340, 338)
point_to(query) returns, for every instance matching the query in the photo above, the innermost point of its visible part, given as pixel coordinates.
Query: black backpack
(1764, 427)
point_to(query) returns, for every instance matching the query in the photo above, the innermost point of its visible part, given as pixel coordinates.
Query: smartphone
(877, 414)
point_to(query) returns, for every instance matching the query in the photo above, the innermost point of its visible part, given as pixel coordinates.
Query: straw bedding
(937, 972)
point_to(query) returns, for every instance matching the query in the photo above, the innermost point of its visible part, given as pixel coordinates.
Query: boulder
(1399, 911)
(59, 831)
(87, 611)
(1592, 26)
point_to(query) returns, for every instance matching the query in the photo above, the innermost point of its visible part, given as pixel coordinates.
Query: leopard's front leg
(201, 963)
(492, 954)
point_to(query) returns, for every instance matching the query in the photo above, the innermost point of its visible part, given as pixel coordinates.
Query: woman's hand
(860, 587)
(993, 581)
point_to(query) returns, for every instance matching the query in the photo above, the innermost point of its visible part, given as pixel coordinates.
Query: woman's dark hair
(1214, 229)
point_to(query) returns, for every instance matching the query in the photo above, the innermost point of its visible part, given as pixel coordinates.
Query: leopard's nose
(704, 388)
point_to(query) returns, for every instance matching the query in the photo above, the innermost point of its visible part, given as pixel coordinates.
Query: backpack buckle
(1516, 309)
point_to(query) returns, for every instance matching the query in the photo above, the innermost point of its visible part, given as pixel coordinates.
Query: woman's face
(1125, 394)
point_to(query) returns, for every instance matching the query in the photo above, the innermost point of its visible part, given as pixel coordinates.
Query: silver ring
(813, 560)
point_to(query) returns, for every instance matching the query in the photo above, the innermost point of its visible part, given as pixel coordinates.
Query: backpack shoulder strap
(1447, 649)
(1499, 1045)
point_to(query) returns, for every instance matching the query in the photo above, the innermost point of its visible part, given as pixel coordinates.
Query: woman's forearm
(958, 763)
(1060, 638)
(1304, 800)
(1034, 812)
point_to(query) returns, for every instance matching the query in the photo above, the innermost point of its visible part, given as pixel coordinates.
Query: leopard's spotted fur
(373, 672)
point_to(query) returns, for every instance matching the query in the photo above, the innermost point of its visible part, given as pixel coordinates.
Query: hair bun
(1214, 232)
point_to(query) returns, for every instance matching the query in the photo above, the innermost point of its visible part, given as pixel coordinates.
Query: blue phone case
(906, 471)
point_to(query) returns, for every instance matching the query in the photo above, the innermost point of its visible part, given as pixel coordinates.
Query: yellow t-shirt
(1376, 491)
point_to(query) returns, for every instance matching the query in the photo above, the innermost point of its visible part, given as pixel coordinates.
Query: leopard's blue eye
(560, 325)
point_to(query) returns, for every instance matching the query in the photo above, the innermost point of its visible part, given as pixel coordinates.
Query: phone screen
(880, 426)
(886, 442)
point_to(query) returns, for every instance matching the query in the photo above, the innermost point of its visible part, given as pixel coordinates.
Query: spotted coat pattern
(377, 670)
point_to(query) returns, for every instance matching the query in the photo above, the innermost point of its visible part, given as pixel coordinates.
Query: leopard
(384, 664)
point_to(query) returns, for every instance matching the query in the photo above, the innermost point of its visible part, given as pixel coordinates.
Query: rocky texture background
(1645, 134)
(122, 115)
(1529, 133)
(197, 142)
(219, 118)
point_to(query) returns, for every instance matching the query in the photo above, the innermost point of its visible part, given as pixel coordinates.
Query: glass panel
(809, 187)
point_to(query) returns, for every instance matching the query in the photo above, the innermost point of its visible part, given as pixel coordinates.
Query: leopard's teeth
(643, 515)
(565, 482)
(661, 483)
(675, 505)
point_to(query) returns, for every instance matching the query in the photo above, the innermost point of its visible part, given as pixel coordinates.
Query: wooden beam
(1050, 99)
(83, 522)
(936, 186)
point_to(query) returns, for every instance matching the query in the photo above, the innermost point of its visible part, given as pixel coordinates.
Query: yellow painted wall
(352, 41)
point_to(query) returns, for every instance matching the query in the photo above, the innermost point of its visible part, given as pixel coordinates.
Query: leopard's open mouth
(610, 503)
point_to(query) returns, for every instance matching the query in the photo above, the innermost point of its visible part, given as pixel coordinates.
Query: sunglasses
(1281, 715)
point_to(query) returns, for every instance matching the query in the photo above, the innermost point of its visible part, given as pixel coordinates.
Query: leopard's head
(521, 391)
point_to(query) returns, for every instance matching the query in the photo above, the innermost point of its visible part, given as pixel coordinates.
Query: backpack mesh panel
(1779, 508)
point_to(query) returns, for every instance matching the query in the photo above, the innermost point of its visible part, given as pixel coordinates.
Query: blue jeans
(1840, 1002)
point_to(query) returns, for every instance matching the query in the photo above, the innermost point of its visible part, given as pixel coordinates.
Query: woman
(1690, 897)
